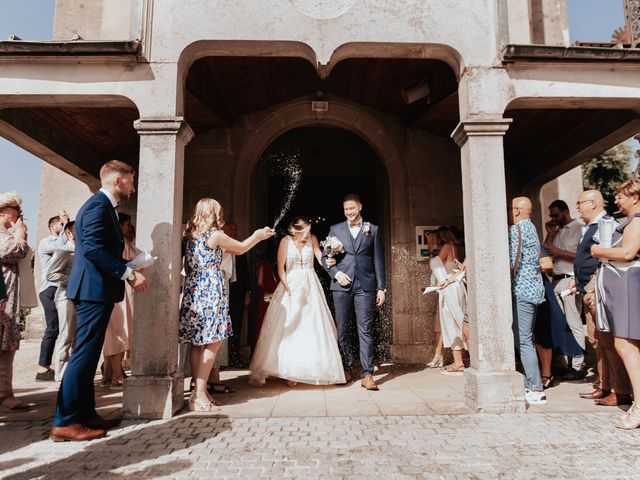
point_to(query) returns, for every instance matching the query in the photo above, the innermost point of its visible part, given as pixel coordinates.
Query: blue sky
(589, 20)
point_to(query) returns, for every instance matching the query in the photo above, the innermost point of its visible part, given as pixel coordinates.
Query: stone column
(491, 384)
(155, 388)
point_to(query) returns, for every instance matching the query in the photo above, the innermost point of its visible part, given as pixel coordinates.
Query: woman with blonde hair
(204, 313)
(298, 340)
(13, 248)
(617, 287)
(452, 296)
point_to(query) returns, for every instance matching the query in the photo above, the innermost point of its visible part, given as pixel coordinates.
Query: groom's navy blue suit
(363, 262)
(95, 285)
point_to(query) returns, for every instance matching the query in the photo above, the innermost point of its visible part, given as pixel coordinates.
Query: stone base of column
(153, 396)
(35, 324)
(494, 392)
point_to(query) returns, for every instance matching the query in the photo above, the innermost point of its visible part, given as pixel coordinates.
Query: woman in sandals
(204, 313)
(452, 301)
(13, 248)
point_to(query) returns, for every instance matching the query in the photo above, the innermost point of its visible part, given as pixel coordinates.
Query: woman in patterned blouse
(13, 248)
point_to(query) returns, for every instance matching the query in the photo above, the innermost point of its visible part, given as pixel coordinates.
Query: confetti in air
(286, 164)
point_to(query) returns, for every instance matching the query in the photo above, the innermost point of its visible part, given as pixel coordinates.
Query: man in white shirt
(563, 237)
(46, 248)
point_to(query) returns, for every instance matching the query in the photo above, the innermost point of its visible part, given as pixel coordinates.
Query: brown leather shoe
(100, 423)
(613, 400)
(75, 433)
(369, 383)
(596, 394)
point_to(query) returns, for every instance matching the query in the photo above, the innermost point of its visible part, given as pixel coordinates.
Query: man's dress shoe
(369, 383)
(75, 433)
(596, 394)
(100, 423)
(613, 400)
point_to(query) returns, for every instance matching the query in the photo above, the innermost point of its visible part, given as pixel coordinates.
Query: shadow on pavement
(143, 444)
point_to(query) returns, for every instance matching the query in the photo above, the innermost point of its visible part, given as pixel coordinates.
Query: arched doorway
(333, 162)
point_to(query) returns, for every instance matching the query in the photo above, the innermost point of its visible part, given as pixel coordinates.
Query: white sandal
(196, 404)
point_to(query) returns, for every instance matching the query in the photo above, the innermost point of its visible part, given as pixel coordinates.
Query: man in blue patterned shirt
(528, 293)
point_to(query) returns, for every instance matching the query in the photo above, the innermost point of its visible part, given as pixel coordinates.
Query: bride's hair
(206, 215)
(298, 224)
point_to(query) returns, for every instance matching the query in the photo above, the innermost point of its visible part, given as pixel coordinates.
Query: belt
(560, 277)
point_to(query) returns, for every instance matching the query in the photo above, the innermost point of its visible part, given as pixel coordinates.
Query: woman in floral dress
(13, 248)
(204, 314)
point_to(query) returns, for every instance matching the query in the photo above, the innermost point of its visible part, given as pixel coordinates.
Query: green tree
(606, 171)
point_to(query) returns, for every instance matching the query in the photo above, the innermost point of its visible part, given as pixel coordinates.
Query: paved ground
(415, 427)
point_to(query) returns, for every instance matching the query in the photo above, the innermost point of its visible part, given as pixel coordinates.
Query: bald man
(614, 386)
(528, 293)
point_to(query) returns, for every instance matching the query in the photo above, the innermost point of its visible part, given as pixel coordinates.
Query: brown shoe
(596, 394)
(100, 423)
(613, 400)
(347, 377)
(75, 433)
(369, 383)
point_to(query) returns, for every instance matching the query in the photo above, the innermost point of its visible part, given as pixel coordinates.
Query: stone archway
(379, 133)
(382, 137)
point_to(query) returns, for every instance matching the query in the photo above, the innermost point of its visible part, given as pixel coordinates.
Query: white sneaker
(535, 398)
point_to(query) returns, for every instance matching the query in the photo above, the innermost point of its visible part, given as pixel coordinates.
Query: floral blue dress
(204, 313)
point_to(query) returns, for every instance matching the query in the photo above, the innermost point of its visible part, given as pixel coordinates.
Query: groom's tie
(355, 224)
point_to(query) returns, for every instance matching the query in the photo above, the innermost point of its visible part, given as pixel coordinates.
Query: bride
(298, 340)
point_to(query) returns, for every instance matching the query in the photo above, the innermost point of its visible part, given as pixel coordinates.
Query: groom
(358, 285)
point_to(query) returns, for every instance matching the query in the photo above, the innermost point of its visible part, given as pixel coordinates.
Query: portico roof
(551, 53)
(67, 48)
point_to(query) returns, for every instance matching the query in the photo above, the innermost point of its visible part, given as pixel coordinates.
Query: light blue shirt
(528, 280)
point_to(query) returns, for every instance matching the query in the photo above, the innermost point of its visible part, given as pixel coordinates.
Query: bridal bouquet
(331, 246)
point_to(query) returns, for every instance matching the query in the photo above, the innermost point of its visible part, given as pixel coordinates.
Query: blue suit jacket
(363, 258)
(97, 264)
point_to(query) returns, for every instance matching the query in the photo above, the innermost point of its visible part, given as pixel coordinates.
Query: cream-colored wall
(93, 19)
(567, 187)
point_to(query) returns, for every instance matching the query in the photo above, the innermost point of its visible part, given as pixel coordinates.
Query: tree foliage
(606, 171)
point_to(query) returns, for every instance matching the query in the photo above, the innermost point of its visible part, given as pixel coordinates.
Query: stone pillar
(155, 388)
(491, 384)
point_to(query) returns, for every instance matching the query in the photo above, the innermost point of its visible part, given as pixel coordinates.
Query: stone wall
(93, 19)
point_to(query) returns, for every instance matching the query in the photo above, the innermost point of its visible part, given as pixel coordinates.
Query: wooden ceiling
(87, 136)
(221, 89)
(540, 140)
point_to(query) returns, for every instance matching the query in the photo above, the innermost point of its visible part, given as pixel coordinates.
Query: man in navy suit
(96, 283)
(358, 285)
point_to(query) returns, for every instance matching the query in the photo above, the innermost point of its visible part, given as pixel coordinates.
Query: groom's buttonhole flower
(366, 228)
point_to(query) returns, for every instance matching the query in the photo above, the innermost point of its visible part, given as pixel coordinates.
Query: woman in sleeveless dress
(204, 312)
(617, 291)
(452, 297)
(298, 340)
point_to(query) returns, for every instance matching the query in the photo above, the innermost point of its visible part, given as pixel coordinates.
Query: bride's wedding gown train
(298, 339)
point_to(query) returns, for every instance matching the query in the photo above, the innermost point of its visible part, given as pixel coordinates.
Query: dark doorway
(333, 163)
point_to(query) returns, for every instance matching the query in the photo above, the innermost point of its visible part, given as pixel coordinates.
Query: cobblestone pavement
(526, 446)
(327, 432)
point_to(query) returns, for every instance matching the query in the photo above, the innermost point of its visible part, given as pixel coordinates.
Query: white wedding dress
(298, 339)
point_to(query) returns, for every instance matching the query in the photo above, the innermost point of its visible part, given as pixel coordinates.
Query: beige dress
(117, 338)
(11, 252)
(452, 303)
